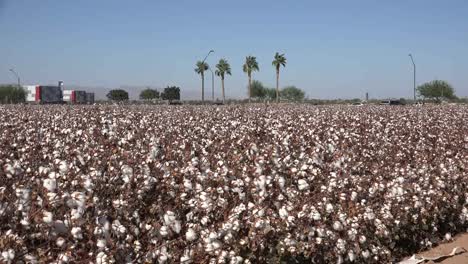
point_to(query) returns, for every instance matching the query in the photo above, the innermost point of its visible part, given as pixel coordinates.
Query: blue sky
(334, 48)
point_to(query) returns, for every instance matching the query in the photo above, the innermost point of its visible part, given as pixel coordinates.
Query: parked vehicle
(90, 98)
(391, 102)
(43, 94)
(74, 97)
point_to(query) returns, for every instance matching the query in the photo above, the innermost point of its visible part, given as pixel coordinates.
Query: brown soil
(446, 248)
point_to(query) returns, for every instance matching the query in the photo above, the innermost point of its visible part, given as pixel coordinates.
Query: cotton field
(230, 184)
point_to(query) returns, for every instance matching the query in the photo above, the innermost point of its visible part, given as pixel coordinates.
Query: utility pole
(203, 92)
(414, 77)
(212, 84)
(17, 76)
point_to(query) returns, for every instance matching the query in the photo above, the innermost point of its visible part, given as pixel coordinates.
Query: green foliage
(12, 94)
(280, 60)
(201, 68)
(270, 93)
(250, 65)
(292, 93)
(258, 90)
(149, 94)
(117, 95)
(436, 89)
(171, 93)
(223, 68)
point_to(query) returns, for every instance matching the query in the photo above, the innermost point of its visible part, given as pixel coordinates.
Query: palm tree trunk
(250, 88)
(277, 85)
(202, 87)
(222, 84)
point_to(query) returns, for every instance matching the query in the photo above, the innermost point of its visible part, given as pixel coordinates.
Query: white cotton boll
(60, 242)
(341, 245)
(63, 258)
(101, 243)
(209, 247)
(50, 184)
(204, 221)
(318, 240)
(9, 170)
(190, 235)
(25, 222)
(101, 258)
(352, 234)
(417, 204)
(31, 259)
(88, 184)
(216, 244)
(188, 185)
(448, 237)
(353, 196)
(8, 255)
(259, 224)
(228, 237)
(351, 256)
(283, 213)
(76, 233)
(212, 236)
(365, 254)
(337, 226)
(329, 208)
(185, 259)
(78, 199)
(47, 217)
(362, 239)
(76, 213)
(281, 182)
(169, 217)
(164, 231)
(176, 227)
(302, 185)
(53, 198)
(118, 228)
(63, 166)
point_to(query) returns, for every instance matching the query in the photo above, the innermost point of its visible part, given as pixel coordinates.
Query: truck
(43, 94)
(89, 98)
(74, 97)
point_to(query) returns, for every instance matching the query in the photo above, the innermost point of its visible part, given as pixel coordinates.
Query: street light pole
(414, 77)
(203, 92)
(17, 76)
(212, 84)
(211, 51)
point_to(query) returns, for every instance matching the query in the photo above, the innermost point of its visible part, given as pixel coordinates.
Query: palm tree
(223, 68)
(200, 69)
(250, 66)
(279, 61)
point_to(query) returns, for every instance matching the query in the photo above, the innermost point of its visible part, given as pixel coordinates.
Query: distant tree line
(12, 94)
(437, 90)
(289, 93)
(170, 93)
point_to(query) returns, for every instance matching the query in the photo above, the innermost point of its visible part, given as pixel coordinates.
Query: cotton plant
(232, 184)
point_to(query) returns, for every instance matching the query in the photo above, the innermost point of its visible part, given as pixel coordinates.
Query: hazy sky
(334, 48)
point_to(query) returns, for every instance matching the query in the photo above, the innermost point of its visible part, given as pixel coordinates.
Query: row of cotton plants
(230, 184)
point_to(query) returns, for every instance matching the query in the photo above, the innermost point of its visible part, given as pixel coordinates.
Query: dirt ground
(446, 248)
